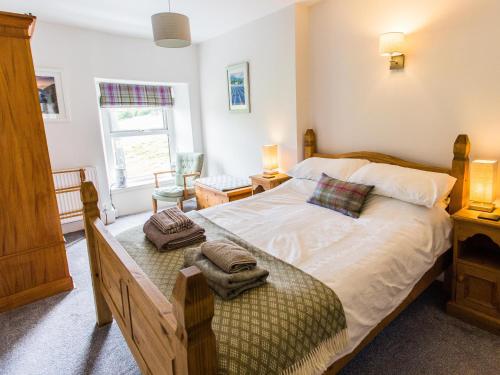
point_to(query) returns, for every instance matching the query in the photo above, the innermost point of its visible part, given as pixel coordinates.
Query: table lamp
(270, 160)
(483, 178)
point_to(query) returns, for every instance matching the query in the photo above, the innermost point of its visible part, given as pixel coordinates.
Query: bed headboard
(459, 167)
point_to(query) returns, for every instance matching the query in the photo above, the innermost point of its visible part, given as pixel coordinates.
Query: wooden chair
(188, 168)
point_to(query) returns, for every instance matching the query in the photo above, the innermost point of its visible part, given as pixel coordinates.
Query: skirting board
(74, 226)
(36, 293)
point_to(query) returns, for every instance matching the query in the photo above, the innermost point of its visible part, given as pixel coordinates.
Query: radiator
(67, 184)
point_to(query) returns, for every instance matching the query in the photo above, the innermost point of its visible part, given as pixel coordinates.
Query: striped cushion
(344, 197)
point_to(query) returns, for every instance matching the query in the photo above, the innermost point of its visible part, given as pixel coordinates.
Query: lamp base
(269, 174)
(480, 206)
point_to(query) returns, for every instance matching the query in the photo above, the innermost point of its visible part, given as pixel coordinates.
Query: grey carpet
(425, 340)
(58, 336)
(71, 238)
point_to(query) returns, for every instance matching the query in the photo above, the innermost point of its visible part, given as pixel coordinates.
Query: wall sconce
(391, 44)
(483, 178)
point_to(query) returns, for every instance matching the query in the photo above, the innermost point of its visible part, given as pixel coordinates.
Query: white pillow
(406, 184)
(340, 169)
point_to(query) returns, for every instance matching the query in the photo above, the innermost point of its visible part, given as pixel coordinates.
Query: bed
(176, 336)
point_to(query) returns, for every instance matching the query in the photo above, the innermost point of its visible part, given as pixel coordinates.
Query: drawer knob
(461, 278)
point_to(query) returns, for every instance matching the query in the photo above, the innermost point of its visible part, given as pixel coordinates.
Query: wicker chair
(188, 168)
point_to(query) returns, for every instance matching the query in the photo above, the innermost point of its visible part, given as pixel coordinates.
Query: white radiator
(67, 184)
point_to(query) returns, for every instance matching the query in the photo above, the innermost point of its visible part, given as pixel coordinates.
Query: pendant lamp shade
(171, 30)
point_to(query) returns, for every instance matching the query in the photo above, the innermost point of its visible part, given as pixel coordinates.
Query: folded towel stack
(171, 220)
(228, 256)
(229, 269)
(171, 229)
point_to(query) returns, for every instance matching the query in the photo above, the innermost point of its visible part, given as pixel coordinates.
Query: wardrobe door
(33, 261)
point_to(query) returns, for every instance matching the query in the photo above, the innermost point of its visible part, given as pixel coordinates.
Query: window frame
(109, 135)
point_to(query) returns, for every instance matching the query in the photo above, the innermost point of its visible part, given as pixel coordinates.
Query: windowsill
(140, 185)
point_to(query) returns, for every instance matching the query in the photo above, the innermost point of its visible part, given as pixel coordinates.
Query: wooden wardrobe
(33, 262)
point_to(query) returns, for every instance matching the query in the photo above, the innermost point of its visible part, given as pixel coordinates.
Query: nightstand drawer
(478, 288)
(464, 230)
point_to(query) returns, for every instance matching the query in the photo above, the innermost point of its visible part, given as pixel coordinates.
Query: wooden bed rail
(164, 337)
(459, 196)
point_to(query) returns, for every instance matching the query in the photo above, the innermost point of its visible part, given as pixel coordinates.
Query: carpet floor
(58, 335)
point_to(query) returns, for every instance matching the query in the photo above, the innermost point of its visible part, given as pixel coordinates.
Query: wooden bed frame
(176, 337)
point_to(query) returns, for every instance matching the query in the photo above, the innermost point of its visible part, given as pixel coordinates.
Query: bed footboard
(165, 337)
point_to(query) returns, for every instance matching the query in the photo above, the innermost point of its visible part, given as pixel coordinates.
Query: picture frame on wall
(238, 88)
(51, 95)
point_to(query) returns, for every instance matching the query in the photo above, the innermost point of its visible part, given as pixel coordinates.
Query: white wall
(84, 55)
(450, 84)
(309, 67)
(233, 141)
(302, 75)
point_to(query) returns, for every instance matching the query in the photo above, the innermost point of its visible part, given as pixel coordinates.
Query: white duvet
(372, 263)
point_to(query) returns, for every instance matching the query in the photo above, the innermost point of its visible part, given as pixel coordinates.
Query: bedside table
(260, 183)
(476, 270)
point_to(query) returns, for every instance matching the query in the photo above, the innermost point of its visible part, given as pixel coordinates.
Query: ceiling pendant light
(171, 30)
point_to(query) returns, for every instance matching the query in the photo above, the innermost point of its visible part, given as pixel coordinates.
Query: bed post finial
(89, 197)
(309, 143)
(460, 170)
(193, 304)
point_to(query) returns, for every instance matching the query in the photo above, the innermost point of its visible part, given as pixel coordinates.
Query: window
(137, 141)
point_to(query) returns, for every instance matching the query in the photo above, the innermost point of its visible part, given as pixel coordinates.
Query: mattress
(372, 263)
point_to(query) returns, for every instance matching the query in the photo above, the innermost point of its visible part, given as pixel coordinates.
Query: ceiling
(209, 18)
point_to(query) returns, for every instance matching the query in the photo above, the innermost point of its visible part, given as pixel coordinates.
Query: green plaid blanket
(294, 324)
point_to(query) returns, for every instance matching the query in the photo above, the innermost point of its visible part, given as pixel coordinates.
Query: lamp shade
(270, 158)
(483, 178)
(171, 30)
(391, 44)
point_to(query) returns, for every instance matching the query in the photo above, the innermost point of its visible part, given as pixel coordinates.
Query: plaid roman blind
(130, 95)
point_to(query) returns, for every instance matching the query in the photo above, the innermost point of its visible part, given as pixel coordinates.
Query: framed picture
(238, 88)
(51, 95)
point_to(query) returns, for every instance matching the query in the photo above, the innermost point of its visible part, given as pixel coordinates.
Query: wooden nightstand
(260, 183)
(476, 270)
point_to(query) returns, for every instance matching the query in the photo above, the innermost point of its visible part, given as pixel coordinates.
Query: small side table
(261, 183)
(476, 266)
